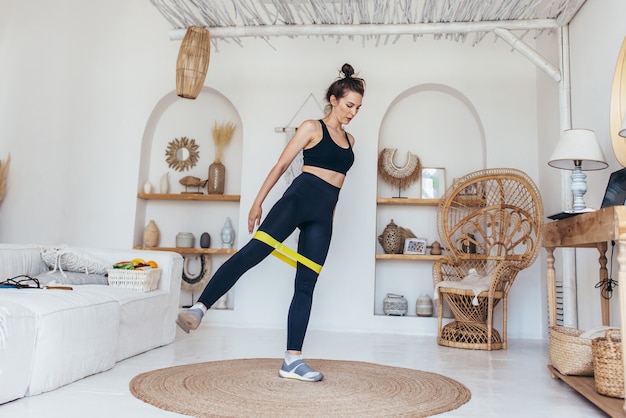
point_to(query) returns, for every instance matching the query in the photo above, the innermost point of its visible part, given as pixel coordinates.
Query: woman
(308, 204)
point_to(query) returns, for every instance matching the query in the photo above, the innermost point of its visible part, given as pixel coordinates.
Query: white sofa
(50, 338)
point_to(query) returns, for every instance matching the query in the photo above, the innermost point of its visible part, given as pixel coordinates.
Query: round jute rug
(252, 388)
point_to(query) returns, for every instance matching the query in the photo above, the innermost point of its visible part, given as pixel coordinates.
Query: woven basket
(608, 365)
(139, 280)
(570, 354)
(192, 62)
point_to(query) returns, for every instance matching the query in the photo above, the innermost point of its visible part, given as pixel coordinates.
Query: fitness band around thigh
(285, 253)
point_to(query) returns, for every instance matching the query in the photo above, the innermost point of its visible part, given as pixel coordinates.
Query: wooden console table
(591, 230)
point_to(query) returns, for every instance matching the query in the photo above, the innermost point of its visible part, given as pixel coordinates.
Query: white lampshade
(578, 145)
(622, 130)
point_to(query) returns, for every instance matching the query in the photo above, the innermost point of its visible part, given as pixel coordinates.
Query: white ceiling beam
(527, 51)
(369, 29)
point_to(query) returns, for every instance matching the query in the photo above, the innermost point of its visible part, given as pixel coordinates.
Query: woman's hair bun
(347, 70)
(342, 85)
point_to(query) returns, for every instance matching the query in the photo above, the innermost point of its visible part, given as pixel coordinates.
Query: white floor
(506, 383)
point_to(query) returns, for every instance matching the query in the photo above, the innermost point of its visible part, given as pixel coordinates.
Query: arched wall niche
(440, 125)
(175, 117)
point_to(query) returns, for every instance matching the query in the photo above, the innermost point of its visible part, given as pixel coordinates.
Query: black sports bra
(327, 154)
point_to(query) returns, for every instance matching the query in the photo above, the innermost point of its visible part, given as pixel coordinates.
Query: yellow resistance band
(285, 253)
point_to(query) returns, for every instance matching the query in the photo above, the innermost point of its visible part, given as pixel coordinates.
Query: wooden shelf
(409, 201)
(585, 385)
(190, 250)
(470, 201)
(407, 315)
(190, 196)
(417, 257)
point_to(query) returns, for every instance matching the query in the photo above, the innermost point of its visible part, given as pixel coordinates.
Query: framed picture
(433, 182)
(415, 245)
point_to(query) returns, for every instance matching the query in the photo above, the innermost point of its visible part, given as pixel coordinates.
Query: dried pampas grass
(222, 134)
(4, 174)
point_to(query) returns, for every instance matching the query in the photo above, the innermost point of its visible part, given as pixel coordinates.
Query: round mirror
(182, 154)
(618, 106)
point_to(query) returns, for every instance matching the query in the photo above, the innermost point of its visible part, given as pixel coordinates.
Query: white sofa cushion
(71, 278)
(15, 261)
(165, 332)
(142, 316)
(17, 345)
(64, 258)
(76, 334)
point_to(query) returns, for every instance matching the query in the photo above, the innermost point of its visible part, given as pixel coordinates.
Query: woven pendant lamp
(192, 62)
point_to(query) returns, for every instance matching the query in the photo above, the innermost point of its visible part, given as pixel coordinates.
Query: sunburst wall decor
(174, 159)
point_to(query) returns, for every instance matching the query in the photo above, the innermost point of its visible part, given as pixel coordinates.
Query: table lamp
(578, 150)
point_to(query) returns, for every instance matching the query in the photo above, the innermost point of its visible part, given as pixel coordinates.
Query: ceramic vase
(396, 305)
(424, 306)
(185, 240)
(391, 239)
(151, 235)
(217, 177)
(227, 234)
(435, 248)
(147, 187)
(205, 240)
(165, 183)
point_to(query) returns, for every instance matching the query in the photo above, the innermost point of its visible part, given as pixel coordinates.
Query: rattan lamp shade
(193, 62)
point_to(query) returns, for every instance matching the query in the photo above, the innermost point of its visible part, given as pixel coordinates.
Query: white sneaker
(189, 319)
(299, 370)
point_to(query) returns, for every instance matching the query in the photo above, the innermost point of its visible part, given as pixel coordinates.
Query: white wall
(79, 83)
(596, 33)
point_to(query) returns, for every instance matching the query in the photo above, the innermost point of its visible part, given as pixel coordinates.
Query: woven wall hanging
(400, 177)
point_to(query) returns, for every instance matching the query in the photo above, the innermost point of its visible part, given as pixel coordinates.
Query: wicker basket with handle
(138, 280)
(608, 364)
(569, 353)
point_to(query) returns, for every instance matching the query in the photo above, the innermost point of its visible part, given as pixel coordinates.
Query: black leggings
(308, 204)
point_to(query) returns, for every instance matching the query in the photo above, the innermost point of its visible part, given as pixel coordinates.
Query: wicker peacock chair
(490, 223)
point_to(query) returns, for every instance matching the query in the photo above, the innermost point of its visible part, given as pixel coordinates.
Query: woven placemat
(252, 388)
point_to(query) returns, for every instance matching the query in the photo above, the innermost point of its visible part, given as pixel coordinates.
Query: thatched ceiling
(454, 19)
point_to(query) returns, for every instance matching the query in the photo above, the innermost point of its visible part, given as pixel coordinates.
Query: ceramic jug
(151, 235)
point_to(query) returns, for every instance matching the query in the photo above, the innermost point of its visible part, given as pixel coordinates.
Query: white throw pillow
(71, 278)
(63, 258)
